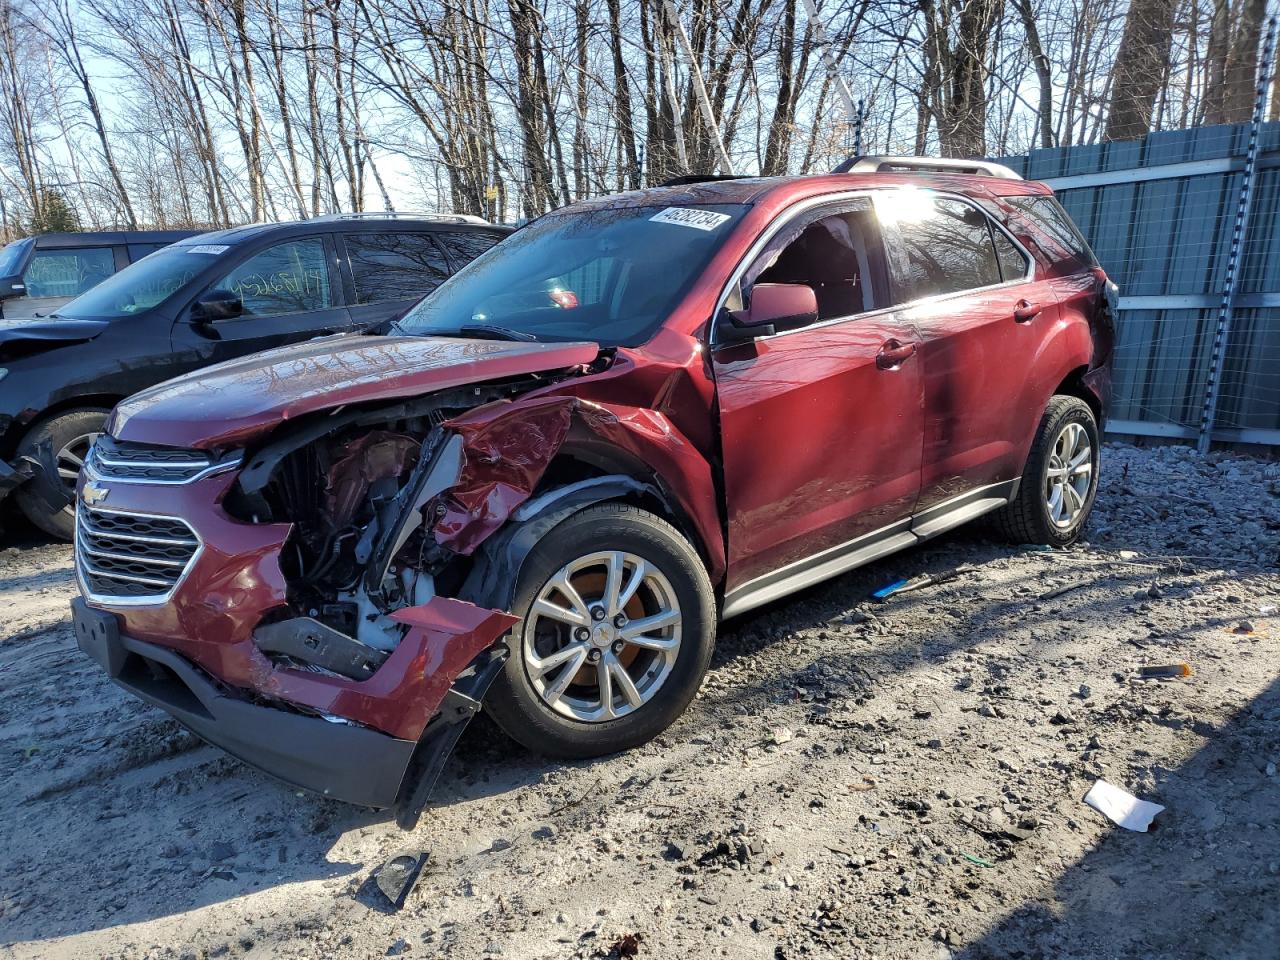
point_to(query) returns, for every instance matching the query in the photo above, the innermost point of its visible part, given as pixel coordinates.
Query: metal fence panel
(1159, 214)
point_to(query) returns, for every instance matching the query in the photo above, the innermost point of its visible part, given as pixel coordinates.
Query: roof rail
(983, 168)
(404, 215)
(703, 178)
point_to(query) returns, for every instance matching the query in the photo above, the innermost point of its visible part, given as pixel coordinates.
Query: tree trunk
(1142, 62)
(1040, 61)
(622, 102)
(778, 147)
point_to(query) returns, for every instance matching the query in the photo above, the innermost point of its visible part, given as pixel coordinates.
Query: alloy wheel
(1068, 476)
(602, 636)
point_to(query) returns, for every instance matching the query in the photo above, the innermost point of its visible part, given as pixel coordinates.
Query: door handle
(1025, 310)
(894, 353)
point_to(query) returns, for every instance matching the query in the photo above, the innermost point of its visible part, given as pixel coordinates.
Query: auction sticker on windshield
(688, 217)
(212, 249)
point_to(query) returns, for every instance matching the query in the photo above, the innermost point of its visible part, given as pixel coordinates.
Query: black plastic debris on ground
(396, 878)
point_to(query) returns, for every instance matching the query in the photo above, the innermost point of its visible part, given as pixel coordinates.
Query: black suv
(39, 274)
(203, 300)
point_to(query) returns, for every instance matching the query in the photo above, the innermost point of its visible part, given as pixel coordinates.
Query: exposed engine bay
(361, 489)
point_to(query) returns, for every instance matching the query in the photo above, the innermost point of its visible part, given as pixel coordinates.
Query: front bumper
(340, 760)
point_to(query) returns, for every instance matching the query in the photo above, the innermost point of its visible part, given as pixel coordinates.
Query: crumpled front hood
(229, 403)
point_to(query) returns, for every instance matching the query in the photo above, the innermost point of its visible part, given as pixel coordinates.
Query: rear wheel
(1060, 481)
(617, 628)
(59, 445)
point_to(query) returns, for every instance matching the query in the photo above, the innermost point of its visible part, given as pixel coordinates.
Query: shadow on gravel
(1161, 895)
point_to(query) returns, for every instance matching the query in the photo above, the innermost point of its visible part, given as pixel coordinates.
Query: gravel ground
(857, 779)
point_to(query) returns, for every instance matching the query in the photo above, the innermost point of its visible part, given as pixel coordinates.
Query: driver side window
(291, 277)
(836, 252)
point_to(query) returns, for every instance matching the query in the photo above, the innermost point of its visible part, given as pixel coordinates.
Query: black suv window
(1047, 214)
(944, 245)
(68, 273)
(394, 266)
(835, 251)
(288, 278)
(465, 247)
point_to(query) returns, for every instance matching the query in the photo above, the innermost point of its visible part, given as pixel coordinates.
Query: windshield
(610, 276)
(141, 286)
(11, 255)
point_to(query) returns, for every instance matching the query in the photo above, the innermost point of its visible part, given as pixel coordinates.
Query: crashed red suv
(542, 488)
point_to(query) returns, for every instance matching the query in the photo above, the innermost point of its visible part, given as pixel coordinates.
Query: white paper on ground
(1122, 807)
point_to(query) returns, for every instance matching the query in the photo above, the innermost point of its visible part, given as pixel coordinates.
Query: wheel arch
(1074, 384)
(577, 478)
(587, 458)
(65, 405)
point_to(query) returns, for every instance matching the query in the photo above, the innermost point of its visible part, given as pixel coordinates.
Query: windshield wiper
(489, 331)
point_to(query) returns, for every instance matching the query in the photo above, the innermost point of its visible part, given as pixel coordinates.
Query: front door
(289, 292)
(971, 293)
(820, 426)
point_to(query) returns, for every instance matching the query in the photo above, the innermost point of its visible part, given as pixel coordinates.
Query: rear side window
(139, 250)
(68, 273)
(465, 247)
(1047, 214)
(287, 278)
(1013, 262)
(394, 266)
(834, 251)
(943, 245)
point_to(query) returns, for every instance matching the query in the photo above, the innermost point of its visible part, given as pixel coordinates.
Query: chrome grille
(111, 459)
(131, 557)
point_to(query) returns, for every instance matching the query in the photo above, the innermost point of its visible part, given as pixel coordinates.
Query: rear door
(290, 290)
(820, 426)
(969, 289)
(390, 271)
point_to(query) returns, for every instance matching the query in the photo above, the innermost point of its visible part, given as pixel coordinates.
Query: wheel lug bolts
(620, 621)
(617, 647)
(597, 613)
(594, 656)
(582, 633)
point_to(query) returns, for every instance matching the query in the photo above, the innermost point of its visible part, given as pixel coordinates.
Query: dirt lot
(857, 779)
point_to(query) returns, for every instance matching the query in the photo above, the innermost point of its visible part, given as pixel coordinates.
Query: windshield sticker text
(212, 249)
(688, 217)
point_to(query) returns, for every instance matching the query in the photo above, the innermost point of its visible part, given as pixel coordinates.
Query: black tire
(1027, 519)
(514, 702)
(46, 499)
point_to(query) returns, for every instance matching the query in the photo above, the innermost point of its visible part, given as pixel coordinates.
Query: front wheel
(1060, 481)
(59, 445)
(617, 629)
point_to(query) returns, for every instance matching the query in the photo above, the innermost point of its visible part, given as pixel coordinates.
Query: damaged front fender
(507, 447)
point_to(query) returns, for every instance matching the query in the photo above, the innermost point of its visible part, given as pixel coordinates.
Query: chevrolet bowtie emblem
(92, 493)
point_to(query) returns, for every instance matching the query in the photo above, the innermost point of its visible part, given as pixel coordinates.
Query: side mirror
(12, 287)
(773, 305)
(217, 305)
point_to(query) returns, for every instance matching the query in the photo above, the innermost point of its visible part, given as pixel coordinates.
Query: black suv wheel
(59, 444)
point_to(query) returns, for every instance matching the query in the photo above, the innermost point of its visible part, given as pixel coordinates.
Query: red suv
(544, 485)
